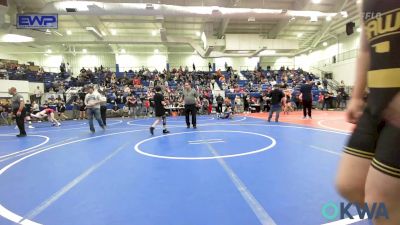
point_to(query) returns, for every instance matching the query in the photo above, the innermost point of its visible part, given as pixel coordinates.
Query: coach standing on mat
(305, 90)
(190, 98)
(18, 109)
(276, 101)
(92, 102)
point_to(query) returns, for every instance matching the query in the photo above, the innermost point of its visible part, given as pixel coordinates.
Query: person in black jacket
(306, 94)
(276, 96)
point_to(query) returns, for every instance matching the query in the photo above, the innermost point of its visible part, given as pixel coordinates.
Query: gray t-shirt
(15, 101)
(190, 97)
(92, 97)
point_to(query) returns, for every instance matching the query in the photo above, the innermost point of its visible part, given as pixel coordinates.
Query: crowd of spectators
(130, 93)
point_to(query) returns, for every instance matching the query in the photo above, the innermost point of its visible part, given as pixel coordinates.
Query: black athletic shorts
(378, 141)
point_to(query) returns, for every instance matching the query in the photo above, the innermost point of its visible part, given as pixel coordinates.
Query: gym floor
(226, 172)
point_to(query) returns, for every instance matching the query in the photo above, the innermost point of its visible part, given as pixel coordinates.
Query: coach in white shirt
(92, 102)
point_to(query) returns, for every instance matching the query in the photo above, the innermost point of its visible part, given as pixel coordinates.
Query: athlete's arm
(356, 104)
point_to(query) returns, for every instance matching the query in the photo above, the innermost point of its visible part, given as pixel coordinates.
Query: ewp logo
(37, 21)
(331, 211)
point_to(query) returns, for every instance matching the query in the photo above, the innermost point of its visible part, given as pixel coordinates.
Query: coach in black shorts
(159, 108)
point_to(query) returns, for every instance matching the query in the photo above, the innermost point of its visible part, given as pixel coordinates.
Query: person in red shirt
(49, 113)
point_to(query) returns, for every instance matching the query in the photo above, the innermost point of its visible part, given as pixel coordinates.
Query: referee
(18, 109)
(190, 98)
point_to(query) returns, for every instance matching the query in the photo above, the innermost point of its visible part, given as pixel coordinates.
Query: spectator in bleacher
(83, 70)
(306, 94)
(205, 104)
(209, 67)
(113, 79)
(137, 82)
(35, 107)
(38, 95)
(61, 111)
(82, 109)
(325, 83)
(4, 112)
(75, 109)
(321, 100)
(194, 67)
(238, 104)
(61, 92)
(115, 110)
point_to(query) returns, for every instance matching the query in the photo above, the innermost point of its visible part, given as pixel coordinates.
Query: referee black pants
(20, 120)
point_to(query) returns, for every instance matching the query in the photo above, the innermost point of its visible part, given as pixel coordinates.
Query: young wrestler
(159, 109)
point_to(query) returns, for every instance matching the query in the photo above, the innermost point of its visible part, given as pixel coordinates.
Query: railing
(339, 58)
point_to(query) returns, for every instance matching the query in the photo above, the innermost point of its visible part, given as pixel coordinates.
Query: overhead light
(49, 51)
(316, 1)
(154, 32)
(251, 19)
(314, 18)
(325, 44)
(84, 50)
(69, 32)
(198, 34)
(113, 32)
(359, 30)
(292, 19)
(194, 52)
(344, 14)
(156, 51)
(328, 18)
(46, 54)
(268, 52)
(103, 33)
(299, 35)
(123, 51)
(48, 32)
(16, 38)
(359, 1)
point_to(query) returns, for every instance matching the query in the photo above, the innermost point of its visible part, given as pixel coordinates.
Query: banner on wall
(37, 21)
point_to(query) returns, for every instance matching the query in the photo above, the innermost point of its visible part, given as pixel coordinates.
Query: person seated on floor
(115, 110)
(228, 114)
